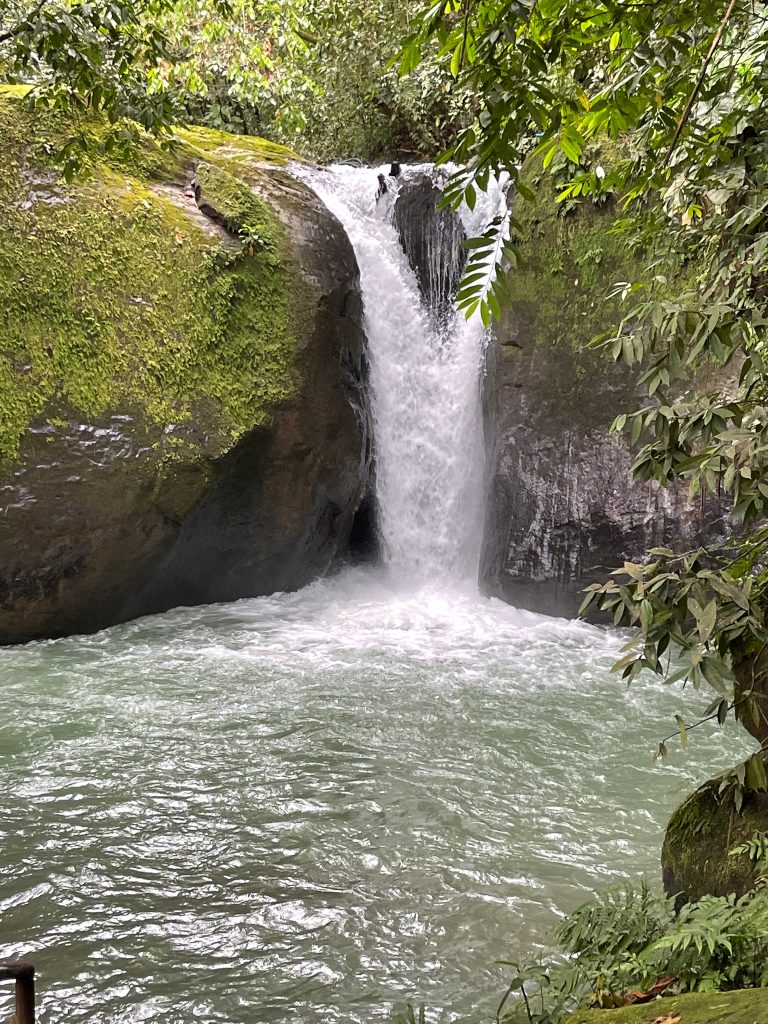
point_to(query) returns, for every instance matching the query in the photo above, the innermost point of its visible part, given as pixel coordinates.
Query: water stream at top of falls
(310, 807)
(425, 380)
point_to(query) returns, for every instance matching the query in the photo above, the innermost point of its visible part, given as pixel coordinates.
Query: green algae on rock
(154, 350)
(568, 265)
(695, 857)
(112, 295)
(746, 1006)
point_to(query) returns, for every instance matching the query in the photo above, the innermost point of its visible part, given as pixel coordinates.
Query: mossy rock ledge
(695, 857)
(181, 376)
(746, 1006)
(563, 509)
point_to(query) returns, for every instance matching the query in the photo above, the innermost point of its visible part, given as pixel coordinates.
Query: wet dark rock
(563, 509)
(431, 237)
(279, 507)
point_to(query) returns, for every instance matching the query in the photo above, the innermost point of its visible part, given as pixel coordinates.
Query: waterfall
(425, 377)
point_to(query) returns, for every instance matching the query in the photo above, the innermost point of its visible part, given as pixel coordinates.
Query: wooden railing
(24, 976)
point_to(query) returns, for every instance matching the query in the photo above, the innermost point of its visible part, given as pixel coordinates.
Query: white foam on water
(425, 386)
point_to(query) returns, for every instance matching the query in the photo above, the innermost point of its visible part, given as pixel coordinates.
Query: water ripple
(313, 806)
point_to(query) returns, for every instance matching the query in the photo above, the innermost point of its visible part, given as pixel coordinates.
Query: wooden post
(24, 976)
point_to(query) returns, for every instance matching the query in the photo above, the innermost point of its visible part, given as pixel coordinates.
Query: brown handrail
(24, 976)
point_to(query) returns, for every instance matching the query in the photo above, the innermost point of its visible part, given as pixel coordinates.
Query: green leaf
(755, 773)
(457, 58)
(628, 659)
(479, 243)
(730, 590)
(705, 619)
(683, 731)
(571, 144)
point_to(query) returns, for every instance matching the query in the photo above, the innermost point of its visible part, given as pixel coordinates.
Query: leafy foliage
(79, 55)
(360, 105)
(756, 849)
(677, 95)
(627, 945)
(316, 74)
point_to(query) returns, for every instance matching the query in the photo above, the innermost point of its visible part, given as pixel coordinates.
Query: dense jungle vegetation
(315, 74)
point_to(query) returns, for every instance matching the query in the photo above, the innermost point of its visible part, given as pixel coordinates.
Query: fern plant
(628, 939)
(719, 942)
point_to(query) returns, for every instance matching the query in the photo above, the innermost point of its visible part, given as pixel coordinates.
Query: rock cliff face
(562, 505)
(180, 377)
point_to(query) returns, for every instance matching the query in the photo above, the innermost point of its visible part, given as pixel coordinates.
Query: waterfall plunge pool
(312, 806)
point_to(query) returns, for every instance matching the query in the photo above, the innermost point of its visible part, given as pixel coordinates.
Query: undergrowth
(628, 944)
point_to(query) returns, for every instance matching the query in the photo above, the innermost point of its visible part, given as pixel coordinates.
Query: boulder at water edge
(696, 857)
(179, 370)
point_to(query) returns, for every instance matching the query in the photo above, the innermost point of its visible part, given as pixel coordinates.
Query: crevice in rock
(364, 544)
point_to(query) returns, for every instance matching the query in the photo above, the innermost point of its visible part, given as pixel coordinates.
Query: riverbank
(747, 1006)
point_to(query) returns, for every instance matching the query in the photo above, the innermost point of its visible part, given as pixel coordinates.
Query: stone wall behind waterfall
(562, 507)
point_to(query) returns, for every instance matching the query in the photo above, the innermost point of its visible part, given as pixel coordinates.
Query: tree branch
(467, 13)
(700, 80)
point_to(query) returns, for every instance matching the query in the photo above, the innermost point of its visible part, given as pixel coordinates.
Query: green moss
(242, 210)
(700, 834)
(113, 298)
(210, 143)
(568, 265)
(748, 1006)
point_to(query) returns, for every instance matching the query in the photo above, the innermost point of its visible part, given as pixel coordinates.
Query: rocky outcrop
(432, 238)
(563, 508)
(180, 377)
(696, 856)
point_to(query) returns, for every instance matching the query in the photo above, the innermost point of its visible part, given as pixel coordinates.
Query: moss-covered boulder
(695, 857)
(563, 508)
(747, 1006)
(180, 362)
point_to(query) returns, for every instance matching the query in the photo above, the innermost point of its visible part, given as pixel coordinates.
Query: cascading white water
(425, 386)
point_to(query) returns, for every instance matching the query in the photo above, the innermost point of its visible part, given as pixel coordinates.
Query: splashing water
(425, 385)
